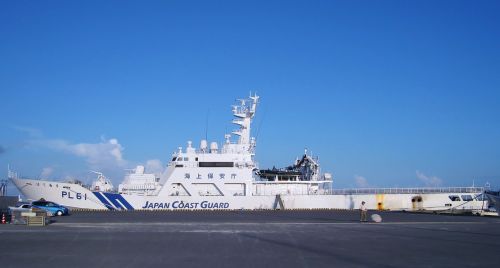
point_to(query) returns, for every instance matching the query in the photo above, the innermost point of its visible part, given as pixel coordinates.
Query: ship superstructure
(213, 170)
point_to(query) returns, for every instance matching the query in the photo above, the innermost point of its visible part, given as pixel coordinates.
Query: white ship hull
(76, 196)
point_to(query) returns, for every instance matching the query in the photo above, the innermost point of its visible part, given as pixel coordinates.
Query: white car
(21, 208)
(27, 208)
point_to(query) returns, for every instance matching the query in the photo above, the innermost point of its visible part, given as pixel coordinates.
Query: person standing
(363, 211)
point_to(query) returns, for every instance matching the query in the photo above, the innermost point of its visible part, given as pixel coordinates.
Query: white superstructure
(226, 176)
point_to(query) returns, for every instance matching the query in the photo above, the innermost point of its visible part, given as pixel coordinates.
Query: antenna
(260, 123)
(206, 125)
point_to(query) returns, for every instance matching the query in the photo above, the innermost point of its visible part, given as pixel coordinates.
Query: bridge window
(454, 198)
(216, 164)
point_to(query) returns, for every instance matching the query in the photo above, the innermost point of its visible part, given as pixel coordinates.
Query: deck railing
(426, 190)
(305, 189)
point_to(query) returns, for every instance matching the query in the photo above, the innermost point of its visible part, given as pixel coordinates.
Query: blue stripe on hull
(114, 198)
(103, 200)
(117, 201)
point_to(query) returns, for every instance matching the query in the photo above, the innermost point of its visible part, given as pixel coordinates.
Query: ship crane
(99, 174)
(102, 183)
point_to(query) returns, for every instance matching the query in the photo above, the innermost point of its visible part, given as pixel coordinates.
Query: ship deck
(252, 239)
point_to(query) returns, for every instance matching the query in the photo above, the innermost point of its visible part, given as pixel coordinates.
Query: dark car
(52, 207)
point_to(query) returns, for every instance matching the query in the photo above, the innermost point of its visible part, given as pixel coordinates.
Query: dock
(325, 238)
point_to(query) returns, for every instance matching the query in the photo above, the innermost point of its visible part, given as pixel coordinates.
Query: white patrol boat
(227, 177)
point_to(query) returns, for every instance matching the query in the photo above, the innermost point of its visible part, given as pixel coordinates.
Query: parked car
(52, 207)
(26, 207)
(22, 207)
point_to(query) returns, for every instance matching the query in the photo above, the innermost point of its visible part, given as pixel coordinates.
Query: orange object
(3, 219)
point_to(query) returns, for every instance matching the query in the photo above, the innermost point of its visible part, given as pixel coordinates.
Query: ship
(226, 176)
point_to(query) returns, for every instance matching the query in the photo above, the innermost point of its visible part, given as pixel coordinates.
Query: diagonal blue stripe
(114, 197)
(103, 200)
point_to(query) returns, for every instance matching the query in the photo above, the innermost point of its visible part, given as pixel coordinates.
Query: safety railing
(426, 190)
(325, 189)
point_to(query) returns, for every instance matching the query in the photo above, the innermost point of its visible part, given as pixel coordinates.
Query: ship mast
(244, 113)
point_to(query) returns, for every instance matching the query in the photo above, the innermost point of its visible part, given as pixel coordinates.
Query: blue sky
(386, 93)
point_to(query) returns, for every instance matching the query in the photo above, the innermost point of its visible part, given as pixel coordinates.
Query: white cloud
(154, 166)
(102, 155)
(105, 156)
(361, 181)
(430, 181)
(46, 172)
